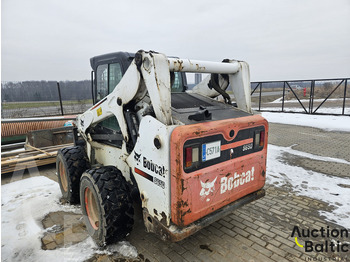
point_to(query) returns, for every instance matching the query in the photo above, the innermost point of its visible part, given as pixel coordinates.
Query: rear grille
(184, 100)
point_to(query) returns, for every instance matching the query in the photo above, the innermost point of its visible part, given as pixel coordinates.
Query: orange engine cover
(210, 183)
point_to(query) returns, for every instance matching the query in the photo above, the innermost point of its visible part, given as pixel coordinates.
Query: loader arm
(239, 78)
(152, 70)
(155, 74)
(112, 104)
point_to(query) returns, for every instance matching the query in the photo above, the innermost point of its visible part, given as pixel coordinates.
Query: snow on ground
(279, 100)
(23, 205)
(326, 122)
(323, 110)
(329, 189)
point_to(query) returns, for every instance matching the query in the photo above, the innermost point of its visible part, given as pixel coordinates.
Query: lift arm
(238, 72)
(155, 73)
(152, 71)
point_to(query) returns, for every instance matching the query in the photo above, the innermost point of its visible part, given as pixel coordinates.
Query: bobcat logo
(207, 188)
(137, 157)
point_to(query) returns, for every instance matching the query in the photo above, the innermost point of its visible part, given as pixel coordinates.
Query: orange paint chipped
(199, 193)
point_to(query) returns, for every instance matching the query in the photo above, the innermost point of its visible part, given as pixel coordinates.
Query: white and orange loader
(186, 157)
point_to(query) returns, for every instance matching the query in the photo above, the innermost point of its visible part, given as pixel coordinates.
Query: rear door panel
(216, 179)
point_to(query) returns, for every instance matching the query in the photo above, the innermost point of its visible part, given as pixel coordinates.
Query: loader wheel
(71, 162)
(106, 205)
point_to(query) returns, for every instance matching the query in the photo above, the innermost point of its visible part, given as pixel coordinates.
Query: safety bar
(197, 66)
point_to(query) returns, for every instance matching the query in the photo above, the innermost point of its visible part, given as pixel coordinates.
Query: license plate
(211, 150)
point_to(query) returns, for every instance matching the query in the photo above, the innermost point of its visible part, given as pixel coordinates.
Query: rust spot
(186, 212)
(199, 68)
(183, 188)
(263, 173)
(178, 64)
(155, 212)
(228, 174)
(200, 132)
(182, 203)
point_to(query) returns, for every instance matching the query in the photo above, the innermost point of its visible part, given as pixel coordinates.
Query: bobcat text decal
(228, 183)
(158, 169)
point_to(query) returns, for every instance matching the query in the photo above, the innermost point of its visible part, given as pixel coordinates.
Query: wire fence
(53, 99)
(318, 96)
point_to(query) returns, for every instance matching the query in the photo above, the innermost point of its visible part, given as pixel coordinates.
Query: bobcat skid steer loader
(188, 158)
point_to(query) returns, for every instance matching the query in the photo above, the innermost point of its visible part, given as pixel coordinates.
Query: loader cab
(107, 72)
(109, 69)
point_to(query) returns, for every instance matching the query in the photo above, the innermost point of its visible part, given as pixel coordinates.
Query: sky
(281, 40)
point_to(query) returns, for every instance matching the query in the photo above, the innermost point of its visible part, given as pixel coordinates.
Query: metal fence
(63, 104)
(318, 96)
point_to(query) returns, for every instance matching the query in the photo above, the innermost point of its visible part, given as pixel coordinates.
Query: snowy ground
(328, 123)
(330, 189)
(294, 106)
(328, 110)
(279, 100)
(333, 190)
(23, 205)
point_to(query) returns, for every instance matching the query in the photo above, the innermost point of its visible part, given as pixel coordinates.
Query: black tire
(71, 162)
(106, 205)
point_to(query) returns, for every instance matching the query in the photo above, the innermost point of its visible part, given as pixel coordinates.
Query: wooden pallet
(32, 157)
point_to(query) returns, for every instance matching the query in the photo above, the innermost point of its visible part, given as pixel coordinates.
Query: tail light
(191, 156)
(188, 156)
(262, 138)
(259, 139)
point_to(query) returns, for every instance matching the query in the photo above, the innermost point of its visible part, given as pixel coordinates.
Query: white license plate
(211, 150)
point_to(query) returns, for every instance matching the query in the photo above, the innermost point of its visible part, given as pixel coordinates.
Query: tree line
(45, 91)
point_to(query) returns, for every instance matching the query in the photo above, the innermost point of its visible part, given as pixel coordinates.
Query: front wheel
(71, 162)
(106, 205)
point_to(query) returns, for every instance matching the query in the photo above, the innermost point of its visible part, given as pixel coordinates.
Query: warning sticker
(99, 111)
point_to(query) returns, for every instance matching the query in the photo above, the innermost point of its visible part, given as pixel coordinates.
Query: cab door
(107, 77)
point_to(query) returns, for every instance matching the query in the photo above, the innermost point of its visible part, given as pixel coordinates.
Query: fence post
(59, 95)
(312, 92)
(260, 96)
(344, 99)
(284, 91)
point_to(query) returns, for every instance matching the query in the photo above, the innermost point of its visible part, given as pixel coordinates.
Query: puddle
(62, 229)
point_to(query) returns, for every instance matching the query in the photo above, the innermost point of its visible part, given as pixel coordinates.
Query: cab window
(177, 86)
(102, 82)
(110, 131)
(108, 77)
(115, 75)
(110, 123)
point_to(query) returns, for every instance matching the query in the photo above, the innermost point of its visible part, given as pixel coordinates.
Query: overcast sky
(281, 40)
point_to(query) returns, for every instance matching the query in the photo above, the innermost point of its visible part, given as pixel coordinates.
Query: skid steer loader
(188, 158)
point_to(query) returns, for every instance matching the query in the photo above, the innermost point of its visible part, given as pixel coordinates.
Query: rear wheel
(71, 162)
(106, 205)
